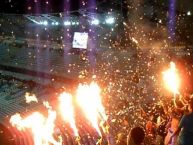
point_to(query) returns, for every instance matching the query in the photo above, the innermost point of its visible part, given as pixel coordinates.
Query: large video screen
(80, 40)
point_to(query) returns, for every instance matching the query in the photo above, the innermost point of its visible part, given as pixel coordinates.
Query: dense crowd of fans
(135, 102)
(138, 110)
(173, 126)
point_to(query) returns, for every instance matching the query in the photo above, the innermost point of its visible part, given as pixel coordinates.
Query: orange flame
(67, 110)
(30, 98)
(89, 99)
(42, 128)
(47, 105)
(171, 79)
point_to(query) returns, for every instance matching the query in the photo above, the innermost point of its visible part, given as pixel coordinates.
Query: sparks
(67, 111)
(134, 40)
(30, 98)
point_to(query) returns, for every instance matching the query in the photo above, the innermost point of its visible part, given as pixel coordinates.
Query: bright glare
(30, 98)
(67, 110)
(42, 128)
(171, 79)
(110, 20)
(95, 22)
(73, 23)
(189, 13)
(56, 23)
(45, 23)
(67, 23)
(89, 99)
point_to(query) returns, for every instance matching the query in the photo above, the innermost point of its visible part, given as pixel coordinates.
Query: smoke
(146, 32)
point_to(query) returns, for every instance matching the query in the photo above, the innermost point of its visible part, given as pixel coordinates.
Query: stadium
(91, 74)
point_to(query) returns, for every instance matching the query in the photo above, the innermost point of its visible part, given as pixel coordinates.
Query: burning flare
(42, 128)
(171, 79)
(30, 98)
(67, 110)
(89, 99)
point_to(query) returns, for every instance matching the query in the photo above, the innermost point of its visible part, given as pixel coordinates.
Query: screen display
(80, 40)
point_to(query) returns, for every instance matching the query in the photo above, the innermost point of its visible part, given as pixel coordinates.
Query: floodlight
(73, 23)
(95, 22)
(110, 20)
(67, 23)
(56, 23)
(45, 23)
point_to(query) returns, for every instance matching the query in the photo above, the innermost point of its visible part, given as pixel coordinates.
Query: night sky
(39, 6)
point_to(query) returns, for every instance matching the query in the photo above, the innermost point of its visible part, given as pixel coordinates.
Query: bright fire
(67, 110)
(171, 79)
(42, 127)
(30, 98)
(89, 99)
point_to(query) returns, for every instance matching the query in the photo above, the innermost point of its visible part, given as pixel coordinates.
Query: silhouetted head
(137, 135)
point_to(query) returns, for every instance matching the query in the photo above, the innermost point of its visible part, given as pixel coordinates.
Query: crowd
(138, 113)
(171, 126)
(134, 100)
